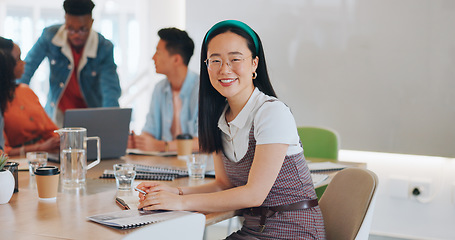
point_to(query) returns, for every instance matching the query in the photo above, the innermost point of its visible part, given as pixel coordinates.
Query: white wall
(380, 72)
(397, 212)
(153, 15)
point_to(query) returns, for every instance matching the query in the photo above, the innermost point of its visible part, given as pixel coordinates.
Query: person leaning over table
(174, 104)
(259, 162)
(26, 125)
(82, 69)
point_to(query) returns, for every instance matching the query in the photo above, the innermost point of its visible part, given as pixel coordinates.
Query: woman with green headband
(252, 135)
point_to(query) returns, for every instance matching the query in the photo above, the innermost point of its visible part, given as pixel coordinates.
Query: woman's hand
(52, 144)
(161, 200)
(150, 187)
(159, 196)
(157, 192)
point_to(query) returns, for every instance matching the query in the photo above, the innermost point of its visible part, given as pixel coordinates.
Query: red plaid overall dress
(293, 184)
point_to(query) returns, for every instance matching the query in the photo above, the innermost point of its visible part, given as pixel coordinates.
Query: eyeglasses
(215, 63)
(81, 31)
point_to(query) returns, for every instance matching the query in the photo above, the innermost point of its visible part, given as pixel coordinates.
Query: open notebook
(132, 218)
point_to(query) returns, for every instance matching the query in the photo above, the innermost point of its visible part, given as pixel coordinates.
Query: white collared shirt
(273, 123)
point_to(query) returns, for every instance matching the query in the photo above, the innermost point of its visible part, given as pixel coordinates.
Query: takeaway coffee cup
(184, 145)
(47, 182)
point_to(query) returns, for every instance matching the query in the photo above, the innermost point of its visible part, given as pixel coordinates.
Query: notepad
(325, 167)
(145, 176)
(179, 172)
(133, 218)
(160, 169)
(156, 173)
(318, 178)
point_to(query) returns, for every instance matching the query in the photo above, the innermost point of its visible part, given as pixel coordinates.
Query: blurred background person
(174, 104)
(27, 127)
(82, 69)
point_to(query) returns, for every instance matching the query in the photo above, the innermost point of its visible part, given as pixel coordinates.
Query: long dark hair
(212, 103)
(7, 78)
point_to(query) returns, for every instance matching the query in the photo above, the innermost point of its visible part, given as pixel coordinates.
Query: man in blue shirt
(174, 105)
(82, 69)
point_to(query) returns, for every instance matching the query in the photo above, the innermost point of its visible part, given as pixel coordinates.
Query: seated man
(174, 105)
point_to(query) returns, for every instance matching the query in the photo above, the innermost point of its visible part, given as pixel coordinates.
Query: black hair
(6, 44)
(212, 103)
(177, 42)
(7, 78)
(78, 7)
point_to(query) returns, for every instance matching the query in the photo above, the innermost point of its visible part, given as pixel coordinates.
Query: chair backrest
(347, 204)
(319, 142)
(189, 227)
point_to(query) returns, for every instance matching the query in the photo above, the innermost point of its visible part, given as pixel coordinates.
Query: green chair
(319, 144)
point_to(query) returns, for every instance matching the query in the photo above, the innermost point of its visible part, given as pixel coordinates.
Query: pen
(133, 140)
(141, 191)
(122, 203)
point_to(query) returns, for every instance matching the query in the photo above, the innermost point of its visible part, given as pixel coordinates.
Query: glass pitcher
(73, 156)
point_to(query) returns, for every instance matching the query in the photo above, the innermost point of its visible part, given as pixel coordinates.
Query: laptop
(110, 124)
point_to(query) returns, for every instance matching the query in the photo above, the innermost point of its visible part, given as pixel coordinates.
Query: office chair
(348, 203)
(318, 142)
(190, 227)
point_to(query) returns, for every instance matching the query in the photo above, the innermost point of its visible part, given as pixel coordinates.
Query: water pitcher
(73, 156)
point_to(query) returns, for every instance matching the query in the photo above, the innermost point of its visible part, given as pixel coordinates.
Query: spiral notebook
(161, 169)
(145, 176)
(133, 218)
(178, 172)
(317, 167)
(157, 173)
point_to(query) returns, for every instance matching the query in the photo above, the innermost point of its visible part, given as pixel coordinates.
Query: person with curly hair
(27, 127)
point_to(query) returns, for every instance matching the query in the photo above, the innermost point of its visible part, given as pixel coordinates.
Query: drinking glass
(196, 164)
(124, 176)
(36, 160)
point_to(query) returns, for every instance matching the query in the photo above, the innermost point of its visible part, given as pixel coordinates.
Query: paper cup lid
(184, 136)
(47, 171)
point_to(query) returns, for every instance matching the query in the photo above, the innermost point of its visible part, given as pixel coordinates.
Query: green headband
(238, 24)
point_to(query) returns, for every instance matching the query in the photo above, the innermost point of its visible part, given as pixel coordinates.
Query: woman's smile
(226, 82)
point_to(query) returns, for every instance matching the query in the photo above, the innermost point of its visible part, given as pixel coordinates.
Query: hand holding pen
(141, 191)
(132, 140)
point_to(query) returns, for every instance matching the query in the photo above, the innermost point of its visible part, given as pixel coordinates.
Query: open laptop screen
(110, 124)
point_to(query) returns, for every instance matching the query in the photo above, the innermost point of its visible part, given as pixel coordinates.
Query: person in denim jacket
(82, 69)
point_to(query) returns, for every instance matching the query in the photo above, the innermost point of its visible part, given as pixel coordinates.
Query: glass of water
(196, 164)
(36, 160)
(124, 176)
